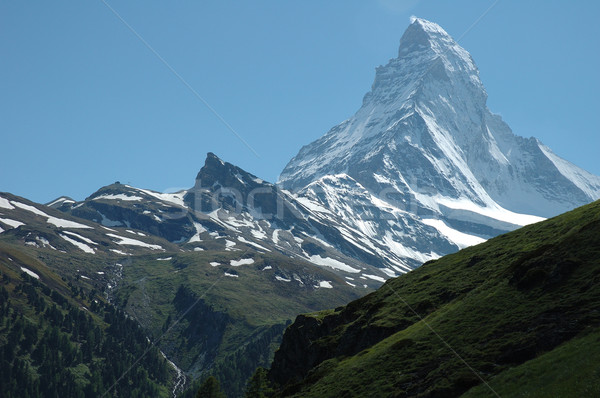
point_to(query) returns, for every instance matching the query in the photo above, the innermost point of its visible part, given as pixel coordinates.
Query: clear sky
(84, 102)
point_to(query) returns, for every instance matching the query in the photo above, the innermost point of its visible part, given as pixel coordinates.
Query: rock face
(426, 151)
(309, 341)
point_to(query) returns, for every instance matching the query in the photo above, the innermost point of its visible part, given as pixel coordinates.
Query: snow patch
(59, 222)
(172, 198)
(134, 242)
(374, 277)
(5, 204)
(80, 245)
(325, 284)
(460, 239)
(62, 199)
(243, 261)
(199, 229)
(332, 263)
(30, 273)
(119, 197)
(256, 245)
(12, 223)
(83, 238)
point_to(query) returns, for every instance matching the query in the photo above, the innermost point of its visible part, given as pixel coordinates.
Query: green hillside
(520, 312)
(230, 318)
(213, 307)
(59, 339)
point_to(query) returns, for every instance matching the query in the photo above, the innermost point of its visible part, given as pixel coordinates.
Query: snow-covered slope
(231, 210)
(41, 226)
(425, 144)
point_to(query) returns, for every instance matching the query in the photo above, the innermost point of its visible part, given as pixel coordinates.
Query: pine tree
(210, 388)
(258, 385)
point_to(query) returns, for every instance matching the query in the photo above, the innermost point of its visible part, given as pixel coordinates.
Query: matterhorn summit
(432, 168)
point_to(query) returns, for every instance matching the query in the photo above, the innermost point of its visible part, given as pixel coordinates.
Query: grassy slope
(253, 302)
(75, 295)
(498, 305)
(570, 370)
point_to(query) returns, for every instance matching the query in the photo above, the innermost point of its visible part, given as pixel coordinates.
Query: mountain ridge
(425, 143)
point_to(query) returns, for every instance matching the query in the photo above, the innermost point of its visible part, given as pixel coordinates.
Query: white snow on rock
(80, 245)
(587, 182)
(374, 277)
(30, 273)
(332, 263)
(121, 240)
(5, 204)
(258, 234)
(313, 206)
(44, 242)
(268, 267)
(275, 237)
(231, 275)
(120, 196)
(120, 252)
(199, 229)
(83, 238)
(461, 239)
(172, 198)
(256, 245)
(59, 222)
(243, 261)
(389, 272)
(492, 210)
(229, 245)
(12, 223)
(62, 199)
(164, 259)
(214, 264)
(282, 279)
(325, 284)
(136, 233)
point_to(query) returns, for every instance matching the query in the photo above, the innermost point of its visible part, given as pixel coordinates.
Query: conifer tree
(258, 385)
(210, 388)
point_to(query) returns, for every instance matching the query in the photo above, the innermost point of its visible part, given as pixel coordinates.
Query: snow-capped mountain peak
(425, 142)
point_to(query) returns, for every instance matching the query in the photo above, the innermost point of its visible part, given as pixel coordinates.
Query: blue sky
(83, 102)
